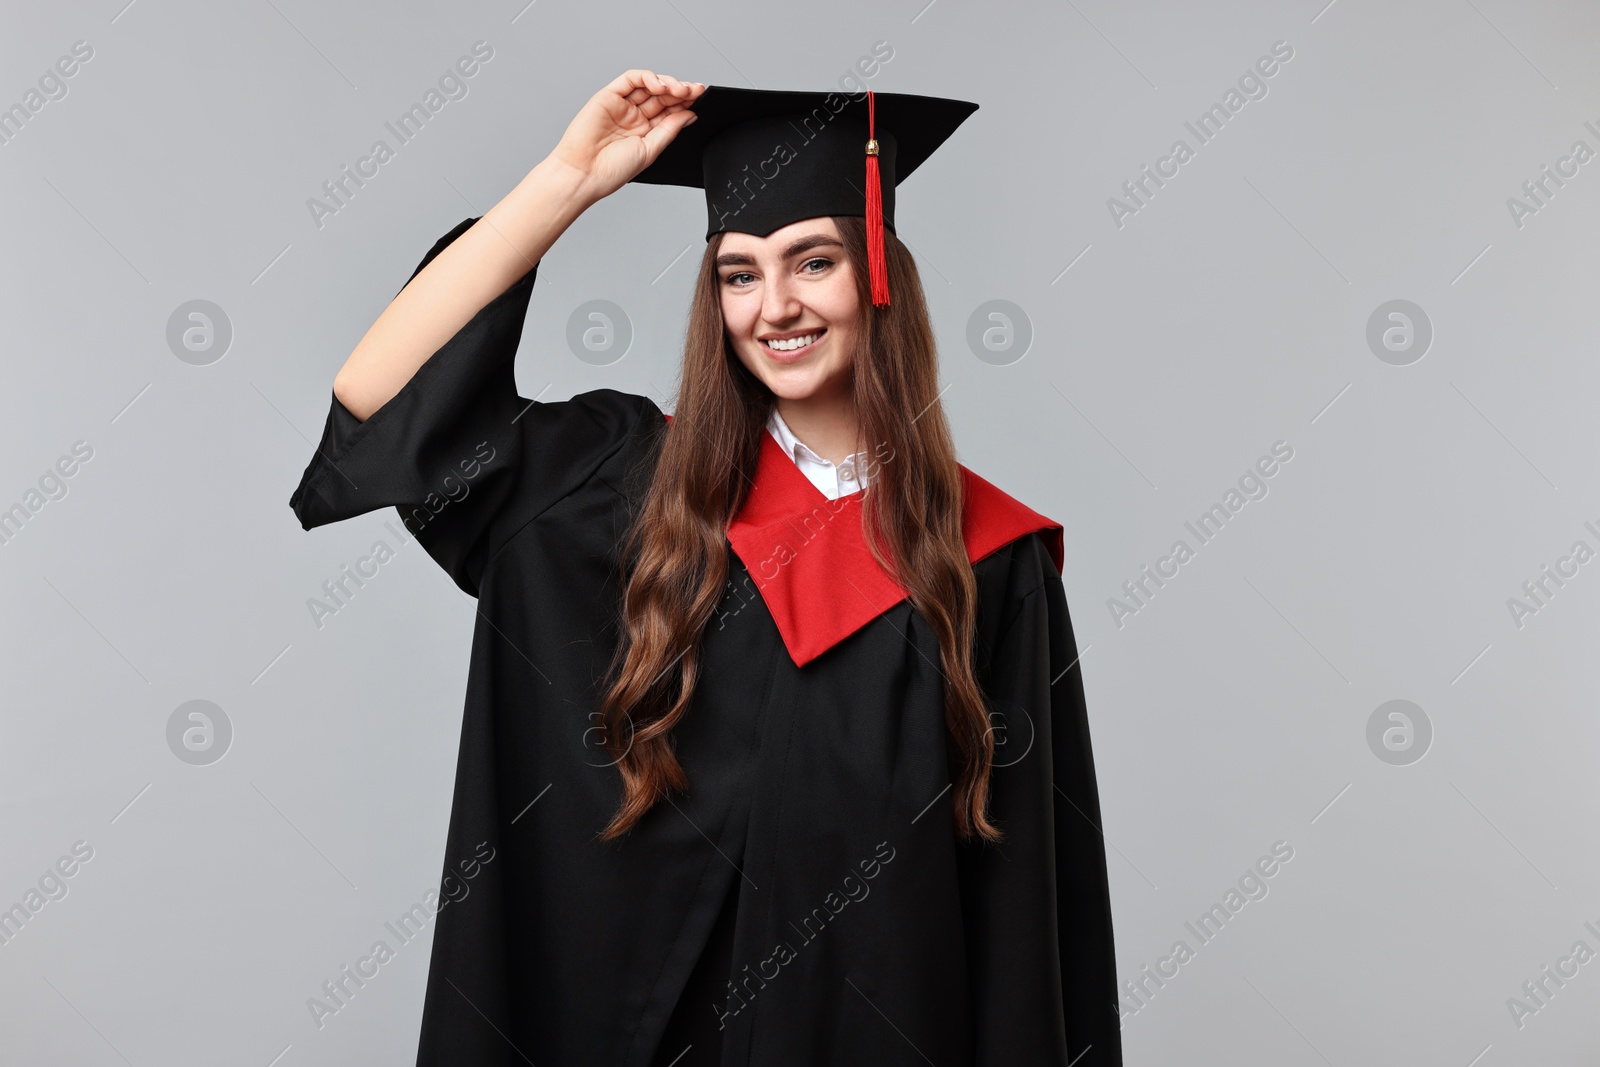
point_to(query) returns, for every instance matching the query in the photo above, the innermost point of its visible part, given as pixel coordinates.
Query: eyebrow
(816, 240)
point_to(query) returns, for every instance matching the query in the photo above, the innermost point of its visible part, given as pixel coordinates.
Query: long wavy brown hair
(675, 562)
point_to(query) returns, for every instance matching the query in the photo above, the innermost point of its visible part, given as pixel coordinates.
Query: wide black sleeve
(464, 460)
(1040, 903)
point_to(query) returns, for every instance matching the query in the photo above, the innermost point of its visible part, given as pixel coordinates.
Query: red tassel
(877, 265)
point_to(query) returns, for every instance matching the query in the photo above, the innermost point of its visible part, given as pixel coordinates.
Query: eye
(732, 278)
(826, 263)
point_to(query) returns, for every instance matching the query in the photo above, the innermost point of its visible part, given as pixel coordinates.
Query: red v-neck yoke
(809, 557)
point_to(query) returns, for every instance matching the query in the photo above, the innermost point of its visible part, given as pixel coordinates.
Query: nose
(780, 302)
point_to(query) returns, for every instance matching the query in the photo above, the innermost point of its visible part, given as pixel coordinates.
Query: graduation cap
(767, 158)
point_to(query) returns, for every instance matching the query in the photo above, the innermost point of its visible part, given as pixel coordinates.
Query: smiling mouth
(790, 345)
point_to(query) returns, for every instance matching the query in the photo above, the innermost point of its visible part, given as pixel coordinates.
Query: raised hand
(624, 127)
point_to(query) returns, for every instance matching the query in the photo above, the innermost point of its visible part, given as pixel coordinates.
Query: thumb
(662, 134)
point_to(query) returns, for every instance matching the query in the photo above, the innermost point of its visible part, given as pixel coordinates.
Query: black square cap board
(768, 157)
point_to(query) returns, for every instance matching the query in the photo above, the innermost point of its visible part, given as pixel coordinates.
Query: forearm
(478, 266)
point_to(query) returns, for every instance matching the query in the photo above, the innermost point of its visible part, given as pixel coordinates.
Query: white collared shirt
(834, 481)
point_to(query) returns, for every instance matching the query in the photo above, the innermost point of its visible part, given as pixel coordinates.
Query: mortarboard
(767, 158)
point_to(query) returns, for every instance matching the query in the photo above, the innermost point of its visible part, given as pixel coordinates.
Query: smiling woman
(790, 305)
(675, 771)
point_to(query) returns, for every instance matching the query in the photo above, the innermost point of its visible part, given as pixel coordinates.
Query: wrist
(570, 182)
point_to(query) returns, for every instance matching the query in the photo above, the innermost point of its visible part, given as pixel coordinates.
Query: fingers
(655, 105)
(638, 86)
(680, 89)
(662, 132)
(662, 105)
(687, 90)
(668, 112)
(626, 82)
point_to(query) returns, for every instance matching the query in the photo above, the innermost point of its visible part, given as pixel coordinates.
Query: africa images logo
(452, 85)
(812, 924)
(340, 990)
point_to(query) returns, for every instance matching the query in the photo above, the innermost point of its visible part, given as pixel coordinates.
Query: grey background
(1229, 313)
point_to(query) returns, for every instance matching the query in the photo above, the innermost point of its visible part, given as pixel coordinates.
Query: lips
(794, 346)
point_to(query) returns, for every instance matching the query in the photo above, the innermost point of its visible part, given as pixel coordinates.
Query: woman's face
(794, 283)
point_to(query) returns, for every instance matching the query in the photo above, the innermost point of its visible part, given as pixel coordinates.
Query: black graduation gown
(814, 849)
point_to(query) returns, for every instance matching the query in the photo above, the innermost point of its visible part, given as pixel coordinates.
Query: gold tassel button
(872, 148)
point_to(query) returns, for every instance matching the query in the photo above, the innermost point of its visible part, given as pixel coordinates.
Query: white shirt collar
(834, 480)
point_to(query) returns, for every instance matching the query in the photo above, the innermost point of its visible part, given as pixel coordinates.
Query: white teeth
(793, 343)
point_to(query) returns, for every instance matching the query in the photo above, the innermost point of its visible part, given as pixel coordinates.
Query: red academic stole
(809, 556)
